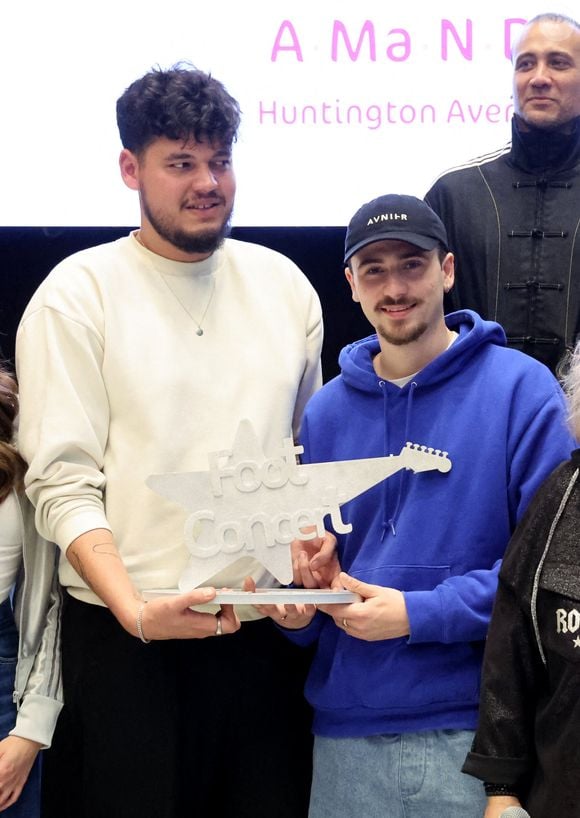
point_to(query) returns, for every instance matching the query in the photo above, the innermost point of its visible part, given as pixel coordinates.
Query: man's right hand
(96, 559)
(172, 617)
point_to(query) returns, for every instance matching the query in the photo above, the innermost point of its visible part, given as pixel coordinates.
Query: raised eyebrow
(526, 55)
(365, 262)
(404, 256)
(179, 156)
(560, 54)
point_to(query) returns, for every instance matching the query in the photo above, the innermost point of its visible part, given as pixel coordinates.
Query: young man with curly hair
(139, 357)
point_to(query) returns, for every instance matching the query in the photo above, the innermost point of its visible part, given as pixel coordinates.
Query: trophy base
(270, 596)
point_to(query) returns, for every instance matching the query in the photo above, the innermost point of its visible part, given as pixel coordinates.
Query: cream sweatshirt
(116, 384)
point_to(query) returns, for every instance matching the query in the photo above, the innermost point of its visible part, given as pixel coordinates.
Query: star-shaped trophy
(249, 504)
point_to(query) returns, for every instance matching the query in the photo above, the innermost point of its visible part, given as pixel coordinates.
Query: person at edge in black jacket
(513, 215)
(526, 747)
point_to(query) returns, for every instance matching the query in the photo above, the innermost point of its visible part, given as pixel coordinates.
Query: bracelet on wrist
(140, 633)
(499, 789)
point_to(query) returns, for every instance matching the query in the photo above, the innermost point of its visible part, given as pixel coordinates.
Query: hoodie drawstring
(390, 524)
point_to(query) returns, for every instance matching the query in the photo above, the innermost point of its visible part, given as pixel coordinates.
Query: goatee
(411, 335)
(202, 242)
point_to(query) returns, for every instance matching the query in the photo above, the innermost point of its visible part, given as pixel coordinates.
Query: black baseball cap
(405, 218)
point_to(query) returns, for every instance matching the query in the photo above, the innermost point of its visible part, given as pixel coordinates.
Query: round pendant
(199, 331)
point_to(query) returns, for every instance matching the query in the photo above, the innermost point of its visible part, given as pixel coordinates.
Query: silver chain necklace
(199, 330)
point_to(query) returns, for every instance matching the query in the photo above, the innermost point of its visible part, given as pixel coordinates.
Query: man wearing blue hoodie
(395, 680)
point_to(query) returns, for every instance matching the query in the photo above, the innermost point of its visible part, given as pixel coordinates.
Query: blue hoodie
(438, 537)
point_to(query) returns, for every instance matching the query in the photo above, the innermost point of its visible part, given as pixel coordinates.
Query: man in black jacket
(513, 216)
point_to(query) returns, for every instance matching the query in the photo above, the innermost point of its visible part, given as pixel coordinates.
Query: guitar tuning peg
(430, 450)
(437, 451)
(408, 444)
(444, 454)
(423, 448)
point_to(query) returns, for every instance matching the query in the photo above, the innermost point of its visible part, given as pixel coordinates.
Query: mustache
(387, 301)
(205, 198)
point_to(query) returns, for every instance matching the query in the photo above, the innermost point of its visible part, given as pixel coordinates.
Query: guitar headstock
(423, 458)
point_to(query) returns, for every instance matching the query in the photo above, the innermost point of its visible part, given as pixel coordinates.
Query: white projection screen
(342, 101)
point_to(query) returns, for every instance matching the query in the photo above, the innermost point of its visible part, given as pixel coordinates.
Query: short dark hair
(549, 17)
(178, 103)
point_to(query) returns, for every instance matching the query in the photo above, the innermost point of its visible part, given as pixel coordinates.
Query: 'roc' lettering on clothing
(567, 621)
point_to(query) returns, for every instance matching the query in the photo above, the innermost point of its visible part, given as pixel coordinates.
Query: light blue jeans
(28, 805)
(412, 775)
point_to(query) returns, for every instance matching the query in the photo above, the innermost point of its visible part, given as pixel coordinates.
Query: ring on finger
(284, 618)
(218, 625)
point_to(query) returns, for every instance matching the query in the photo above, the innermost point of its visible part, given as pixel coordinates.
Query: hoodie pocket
(391, 675)
(404, 577)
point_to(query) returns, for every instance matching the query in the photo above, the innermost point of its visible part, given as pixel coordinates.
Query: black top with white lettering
(530, 703)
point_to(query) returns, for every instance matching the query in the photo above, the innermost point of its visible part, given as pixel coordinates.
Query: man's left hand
(315, 562)
(293, 617)
(382, 614)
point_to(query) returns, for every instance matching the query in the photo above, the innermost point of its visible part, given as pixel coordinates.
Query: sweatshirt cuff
(425, 617)
(36, 719)
(304, 636)
(80, 523)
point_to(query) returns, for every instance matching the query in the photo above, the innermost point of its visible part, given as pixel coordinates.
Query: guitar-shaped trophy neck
(424, 458)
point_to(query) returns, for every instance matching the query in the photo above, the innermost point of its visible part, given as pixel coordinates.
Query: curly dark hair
(179, 103)
(12, 466)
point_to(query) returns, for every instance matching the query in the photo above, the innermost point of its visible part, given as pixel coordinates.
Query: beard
(404, 335)
(202, 241)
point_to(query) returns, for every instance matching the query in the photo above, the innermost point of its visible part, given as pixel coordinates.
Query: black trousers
(177, 729)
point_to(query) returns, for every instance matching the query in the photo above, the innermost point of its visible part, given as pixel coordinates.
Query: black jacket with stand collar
(513, 220)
